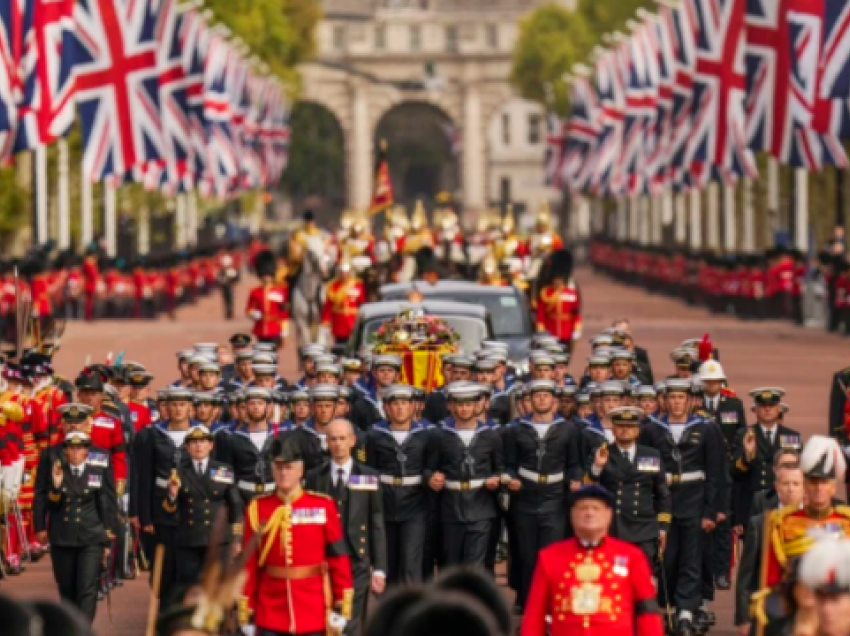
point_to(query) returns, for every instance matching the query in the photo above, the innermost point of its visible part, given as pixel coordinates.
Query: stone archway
(423, 146)
(315, 177)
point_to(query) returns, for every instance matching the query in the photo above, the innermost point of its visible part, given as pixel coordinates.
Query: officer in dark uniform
(81, 514)
(397, 447)
(245, 448)
(755, 447)
(541, 461)
(635, 474)
(195, 495)
(356, 489)
(239, 342)
(693, 461)
(465, 465)
(159, 453)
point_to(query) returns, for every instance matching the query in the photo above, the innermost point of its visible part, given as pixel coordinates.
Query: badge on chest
(789, 441)
(729, 418)
(363, 482)
(307, 516)
(104, 422)
(648, 464)
(222, 475)
(95, 481)
(101, 460)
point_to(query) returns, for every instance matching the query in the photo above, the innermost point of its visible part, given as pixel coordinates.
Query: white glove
(8, 473)
(576, 334)
(256, 314)
(248, 630)
(337, 621)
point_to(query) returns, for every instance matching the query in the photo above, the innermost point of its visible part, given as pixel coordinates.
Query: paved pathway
(754, 354)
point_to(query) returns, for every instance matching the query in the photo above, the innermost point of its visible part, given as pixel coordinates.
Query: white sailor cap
(345, 392)
(397, 392)
(601, 340)
(263, 357)
(185, 354)
(495, 344)
(311, 350)
(268, 347)
(561, 358)
(179, 394)
(244, 354)
(541, 386)
(499, 355)
(205, 397)
(542, 339)
(333, 369)
(646, 390)
(486, 364)
(660, 388)
(386, 360)
(298, 395)
(462, 361)
(324, 392)
(209, 367)
(206, 347)
(612, 388)
(583, 397)
(593, 389)
(622, 354)
(683, 356)
(677, 385)
(541, 359)
(598, 360)
(568, 390)
(463, 391)
(199, 359)
(257, 393)
(264, 369)
(325, 358)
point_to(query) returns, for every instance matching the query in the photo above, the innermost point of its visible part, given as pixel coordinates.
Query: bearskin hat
(265, 264)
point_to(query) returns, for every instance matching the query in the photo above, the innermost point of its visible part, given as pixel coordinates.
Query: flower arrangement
(413, 330)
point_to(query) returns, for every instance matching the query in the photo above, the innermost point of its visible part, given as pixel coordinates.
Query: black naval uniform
(538, 510)
(467, 508)
(80, 518)
(643, 501)
(436, 407)
(252, 472)
(156, 457)
(693, 467)
(198, 502)
(405, 499)
(314, 445)
(360, 506)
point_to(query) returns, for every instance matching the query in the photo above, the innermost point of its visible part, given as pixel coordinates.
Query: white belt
(252, 487)
(555, 478)
(392, 480)
(684, 478)
(161, 483)
(474, 484)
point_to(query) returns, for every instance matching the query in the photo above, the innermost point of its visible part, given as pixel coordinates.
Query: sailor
(367, 409)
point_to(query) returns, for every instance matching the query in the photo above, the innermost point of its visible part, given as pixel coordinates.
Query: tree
(608, 17)
(551, 40)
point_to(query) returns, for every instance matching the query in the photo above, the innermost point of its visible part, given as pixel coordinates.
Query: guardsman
(420, 234)
(465, 465)
(359, 249)
(81, 515)
(693, 458)
(790, 528)
(268, 303)
(356, 489)
(246, 446)
(159, 452)
(544, 239)
(541, 463)
(509, 244)
(592, 583)
(397, 448)
(635, 475)
(298, 581)
(559, 303)
(196, 493)
(345, 295)
(755, 446)
(91, 282)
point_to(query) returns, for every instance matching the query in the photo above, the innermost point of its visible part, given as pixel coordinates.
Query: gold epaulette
(843, 510)
(244, 612)
(665, 517)
(168, 507)
(236, 529)
(320, 494)
(253, 515)
(55, 497)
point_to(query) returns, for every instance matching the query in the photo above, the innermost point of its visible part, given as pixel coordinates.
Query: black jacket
(837, 400)
(555, 454)
(250, 465)
(199, 500)
(388, 458)
(360, 510)
(747, 582)
(730, 417)
(436, 407)
(643, 503)
(642, 368)
(464, 464)
(364, 411)
(156, 456)
(82, 511)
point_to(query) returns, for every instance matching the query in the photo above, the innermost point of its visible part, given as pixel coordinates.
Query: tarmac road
(753, 354)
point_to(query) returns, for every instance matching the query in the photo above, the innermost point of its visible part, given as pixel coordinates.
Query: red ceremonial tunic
(300, 569)
(605, 591)
(140, 414)
(106, 433)
(344, 297)
(559, 311)
(272, 303)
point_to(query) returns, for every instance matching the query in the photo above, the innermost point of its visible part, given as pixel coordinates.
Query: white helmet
(711, 370)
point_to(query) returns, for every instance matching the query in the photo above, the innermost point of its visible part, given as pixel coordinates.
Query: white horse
(307, 292)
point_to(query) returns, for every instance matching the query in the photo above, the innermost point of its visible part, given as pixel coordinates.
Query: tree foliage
(553, 39)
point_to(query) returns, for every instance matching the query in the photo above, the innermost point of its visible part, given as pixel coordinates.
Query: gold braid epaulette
(55, 497)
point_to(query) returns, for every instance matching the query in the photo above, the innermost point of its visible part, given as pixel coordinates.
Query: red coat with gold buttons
(606, 590)
(300, 536)
(344, 297)
(559, 311)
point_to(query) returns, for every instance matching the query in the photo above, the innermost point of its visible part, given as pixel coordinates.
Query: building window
(340, 37)
(451, 39)
(505, 189)
(534, 129)
(506, 129)
(380, 37)
(415, 38)
(492, 35)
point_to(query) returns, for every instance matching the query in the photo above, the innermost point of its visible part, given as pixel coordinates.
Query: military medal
(586, 597)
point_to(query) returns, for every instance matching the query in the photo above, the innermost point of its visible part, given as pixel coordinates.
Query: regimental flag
(382, 196)
(117, 85)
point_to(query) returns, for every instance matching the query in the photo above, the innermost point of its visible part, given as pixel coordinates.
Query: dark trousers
(189, 562)
(709, 546)
(650, 549)
(683, 562)
(432, 550)
(466, 543)
(722, 551)
(361, 572)
(533, 533)
(271, 632)
(405, 545)
(164, 536)
(227, 298)
(77, 573)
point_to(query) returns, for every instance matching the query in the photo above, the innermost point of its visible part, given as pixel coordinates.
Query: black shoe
(686, 627)
(722, 582)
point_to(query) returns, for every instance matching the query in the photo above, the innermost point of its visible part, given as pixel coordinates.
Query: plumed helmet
(822, 458)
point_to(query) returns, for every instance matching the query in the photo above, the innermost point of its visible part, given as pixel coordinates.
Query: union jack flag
(11, 43)
(680, 23)
(195, 37)
(661, 43)
(718, 144)
(835, 54)
(582, 135)
(610, 97)
(555, 141)
(117, 85)
(222, 158)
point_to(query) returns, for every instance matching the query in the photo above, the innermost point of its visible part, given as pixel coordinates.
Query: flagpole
(41, 222)
(87, 212)
(64, 196)
(110, 225)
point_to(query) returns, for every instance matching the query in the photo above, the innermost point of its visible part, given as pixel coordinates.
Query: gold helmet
(508, 222)
(419, 220)
(359, 224)
(346, 220)
(544, 215)
(448, 219)
(489, 266)
(399, 217)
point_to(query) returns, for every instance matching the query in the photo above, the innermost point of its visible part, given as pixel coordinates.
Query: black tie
(200, 468)
(770, 438)
(340, 483)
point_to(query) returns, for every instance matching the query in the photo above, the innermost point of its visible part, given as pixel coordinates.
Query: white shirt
(609, 435)
(677, 430)
(465, 435)
(323, 437)
(712, 403)
(770, 431)
(541, 428)
(203, 464)
(400, 436)
(258, 438)
(178, 437)
(628, 453)
(79, 469)
(346, 468)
